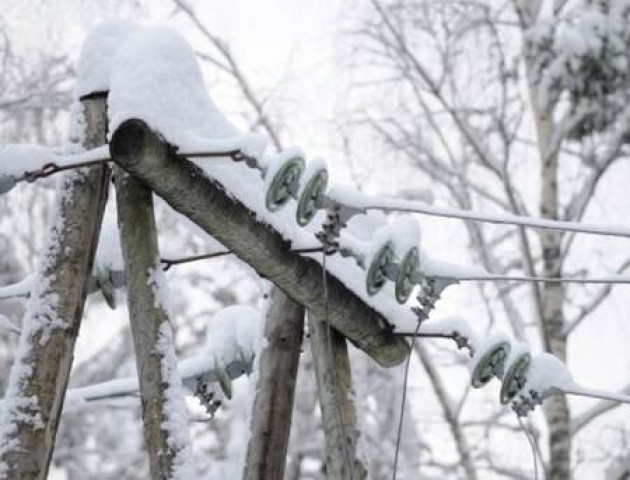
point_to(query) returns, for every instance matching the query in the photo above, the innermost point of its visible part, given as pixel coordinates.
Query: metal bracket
(337, 216)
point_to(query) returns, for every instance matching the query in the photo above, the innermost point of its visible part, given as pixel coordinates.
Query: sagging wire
(491, 277)
(531, 440)
(52, 168)
(404, 400)
(431, 290)
(322, 200)
(117, 276)
(170, 262)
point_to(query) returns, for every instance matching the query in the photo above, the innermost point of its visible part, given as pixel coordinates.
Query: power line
(396, 205)
(491, 277)
(403, 401)
(361, 202)
(530, 440)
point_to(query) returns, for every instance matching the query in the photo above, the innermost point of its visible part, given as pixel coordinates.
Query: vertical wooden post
(273, 403)
(336, 399)
(163, 411)
(39, 376)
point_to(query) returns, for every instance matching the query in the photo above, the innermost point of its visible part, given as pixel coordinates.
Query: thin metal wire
(531, 441)
(52, 168)
(404, 400)
(346, 453)
(523, 221)
(345, 251)
(169, 262)
(499, 278)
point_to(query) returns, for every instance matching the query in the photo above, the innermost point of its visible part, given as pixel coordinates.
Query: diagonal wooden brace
(185, 187)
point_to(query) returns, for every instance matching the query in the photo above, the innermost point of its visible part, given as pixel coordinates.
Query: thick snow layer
(449, 326)
(348, 196)
(402, 234)
(361, 201)
(176, 421)
(18, 159)
(437, 268)
(93, 70)
(251, 144)
(156, 78)
(109, 252)
(363, 226)
(234, 332)
(547, 373)
(358, 247)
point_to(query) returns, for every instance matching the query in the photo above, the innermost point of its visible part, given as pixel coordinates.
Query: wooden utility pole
(336, 400)
(273, 403)
(40, 372)
(156, 362)
(189, 191)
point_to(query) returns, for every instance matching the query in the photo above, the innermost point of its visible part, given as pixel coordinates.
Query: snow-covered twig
(6, 324)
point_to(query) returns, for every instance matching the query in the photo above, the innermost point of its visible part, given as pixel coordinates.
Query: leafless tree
(478, 95)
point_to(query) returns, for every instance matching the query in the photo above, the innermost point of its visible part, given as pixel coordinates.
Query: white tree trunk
(553, 295)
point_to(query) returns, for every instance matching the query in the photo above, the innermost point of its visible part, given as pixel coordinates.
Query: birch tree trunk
(39, 376)
(336, 400)
(553, 296)
(273, 404)
(163, 410)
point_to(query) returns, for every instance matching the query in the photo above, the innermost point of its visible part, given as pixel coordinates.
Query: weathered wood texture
(336, 400)
(275, 389)
(39, 376)
(148, 316)
(185, 187)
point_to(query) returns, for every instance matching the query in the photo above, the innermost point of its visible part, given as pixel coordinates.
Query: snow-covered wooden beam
(184, 186)
(275, 388)
(39, 376)
(164, 413)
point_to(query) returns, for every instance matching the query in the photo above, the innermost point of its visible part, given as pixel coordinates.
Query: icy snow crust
(156, 78)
